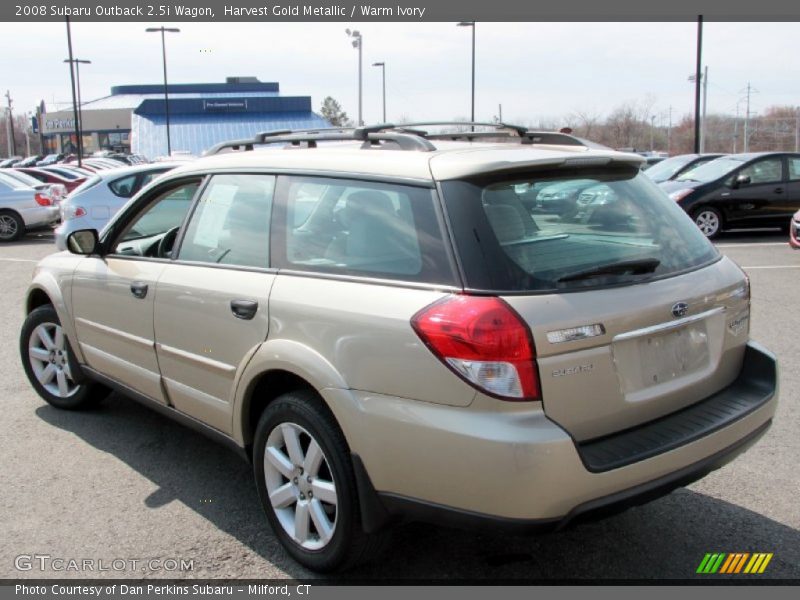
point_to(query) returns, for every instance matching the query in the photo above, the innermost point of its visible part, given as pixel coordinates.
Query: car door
(113, 295)
(211, 302)
(757, 203)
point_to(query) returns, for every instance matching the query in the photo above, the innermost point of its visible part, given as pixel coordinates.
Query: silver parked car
(23, 207)
(93, 203)
(386, 332)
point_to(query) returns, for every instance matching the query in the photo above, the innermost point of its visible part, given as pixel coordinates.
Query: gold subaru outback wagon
(394, 324)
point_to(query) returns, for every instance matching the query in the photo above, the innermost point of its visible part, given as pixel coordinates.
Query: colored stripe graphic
(734, 563)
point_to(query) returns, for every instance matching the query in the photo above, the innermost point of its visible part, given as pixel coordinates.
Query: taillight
(484, 341)
(72, 212)
(43, 200)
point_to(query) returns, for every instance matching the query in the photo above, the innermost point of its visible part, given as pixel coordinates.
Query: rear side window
(124, 187)
(360, 228)
(580, 229)
(231, 223)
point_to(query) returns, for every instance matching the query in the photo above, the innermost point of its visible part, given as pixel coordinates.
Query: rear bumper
(517, 470)
(40, 216)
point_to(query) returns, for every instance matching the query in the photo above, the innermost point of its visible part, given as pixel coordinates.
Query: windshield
(665, 169)
(711, 170)
(619, 228)
(15, 183)
(24, 178)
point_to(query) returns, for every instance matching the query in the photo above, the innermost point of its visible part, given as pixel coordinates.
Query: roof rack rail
(371, 135)
(499, 128)
(406, 136)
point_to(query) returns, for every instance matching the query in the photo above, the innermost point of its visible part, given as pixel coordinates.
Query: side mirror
(741, 180)
(83, 241)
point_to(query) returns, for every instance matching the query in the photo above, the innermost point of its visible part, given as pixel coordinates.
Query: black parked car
(675, 166)
(759, 189)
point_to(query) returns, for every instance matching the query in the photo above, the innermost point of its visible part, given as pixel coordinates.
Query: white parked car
(56, 191)
(23, 208)
(91, 205)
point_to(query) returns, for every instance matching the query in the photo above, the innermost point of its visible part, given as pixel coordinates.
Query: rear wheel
(709, 221)
(50, 364)
(305, 481)
(11, 226)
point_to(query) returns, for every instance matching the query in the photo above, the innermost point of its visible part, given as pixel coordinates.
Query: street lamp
(78, 62)
(472, 111)
(164, 30)
(357, 43)
(382, 65)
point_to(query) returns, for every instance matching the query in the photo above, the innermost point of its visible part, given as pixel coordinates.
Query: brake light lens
(485, 342)
(43, 200)
(72, 212)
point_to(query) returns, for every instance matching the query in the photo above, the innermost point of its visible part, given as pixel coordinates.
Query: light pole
(164, 30)
(472, 110)
(358, 42)
(78, 135)
(652, 133)
(704, 81)
(698, 76)
(78, 62)
(382, 65)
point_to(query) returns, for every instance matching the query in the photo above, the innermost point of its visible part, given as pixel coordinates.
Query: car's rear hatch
(633, 314)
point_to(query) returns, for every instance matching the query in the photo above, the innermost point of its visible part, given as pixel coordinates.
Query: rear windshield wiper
(630, 267)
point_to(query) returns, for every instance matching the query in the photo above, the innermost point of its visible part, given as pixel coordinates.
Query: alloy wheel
(708, 222)
(8, 227)
(300, 486)
(49, 360)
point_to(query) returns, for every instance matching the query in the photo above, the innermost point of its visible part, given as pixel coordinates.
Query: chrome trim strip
(129, 337)
(667, 326)
(196, 358)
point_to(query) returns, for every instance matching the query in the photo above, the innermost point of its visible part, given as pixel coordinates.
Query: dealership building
(133, 117)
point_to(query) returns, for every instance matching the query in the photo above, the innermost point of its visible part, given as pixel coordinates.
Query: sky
(535, 70)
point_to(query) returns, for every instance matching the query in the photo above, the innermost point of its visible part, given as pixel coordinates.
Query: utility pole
(746, 144)
(736, 127)
(358, 42)
(652, 133)
(500, 113)
(797, 131)
(12, 146)
(703, 129)
(164, 30)
(669, 132)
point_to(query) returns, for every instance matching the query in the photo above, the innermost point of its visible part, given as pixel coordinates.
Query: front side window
(769, 170)
(231, 223)
(616, 227)
(362, 228)
(153, 231)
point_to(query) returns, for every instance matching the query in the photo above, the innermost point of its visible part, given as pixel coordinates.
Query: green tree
(332, 111)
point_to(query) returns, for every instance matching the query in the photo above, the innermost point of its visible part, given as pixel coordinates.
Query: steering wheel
(165, 243)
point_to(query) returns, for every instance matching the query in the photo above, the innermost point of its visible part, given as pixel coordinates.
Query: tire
(709, 221)
(50, 364)
(330, 537)
(12, 227)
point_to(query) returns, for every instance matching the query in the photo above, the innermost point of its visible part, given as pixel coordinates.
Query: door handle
(778, 190)
(244, 309)
(139, 289)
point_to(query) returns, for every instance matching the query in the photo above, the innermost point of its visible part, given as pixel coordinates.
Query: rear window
(561, 231)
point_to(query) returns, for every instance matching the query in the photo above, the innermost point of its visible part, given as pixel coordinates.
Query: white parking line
(19, 260)
(752, 245)
(774, 267)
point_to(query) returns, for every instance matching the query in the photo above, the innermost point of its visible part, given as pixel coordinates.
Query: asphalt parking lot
(121, 482)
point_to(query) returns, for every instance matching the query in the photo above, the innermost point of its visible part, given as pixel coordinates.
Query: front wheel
(50, 364)
(709, 221)
(305, 481)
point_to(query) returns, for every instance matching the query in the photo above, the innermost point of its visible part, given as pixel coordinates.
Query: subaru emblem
(679, 309)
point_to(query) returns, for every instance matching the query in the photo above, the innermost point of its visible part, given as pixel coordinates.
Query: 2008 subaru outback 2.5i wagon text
(374, 319)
